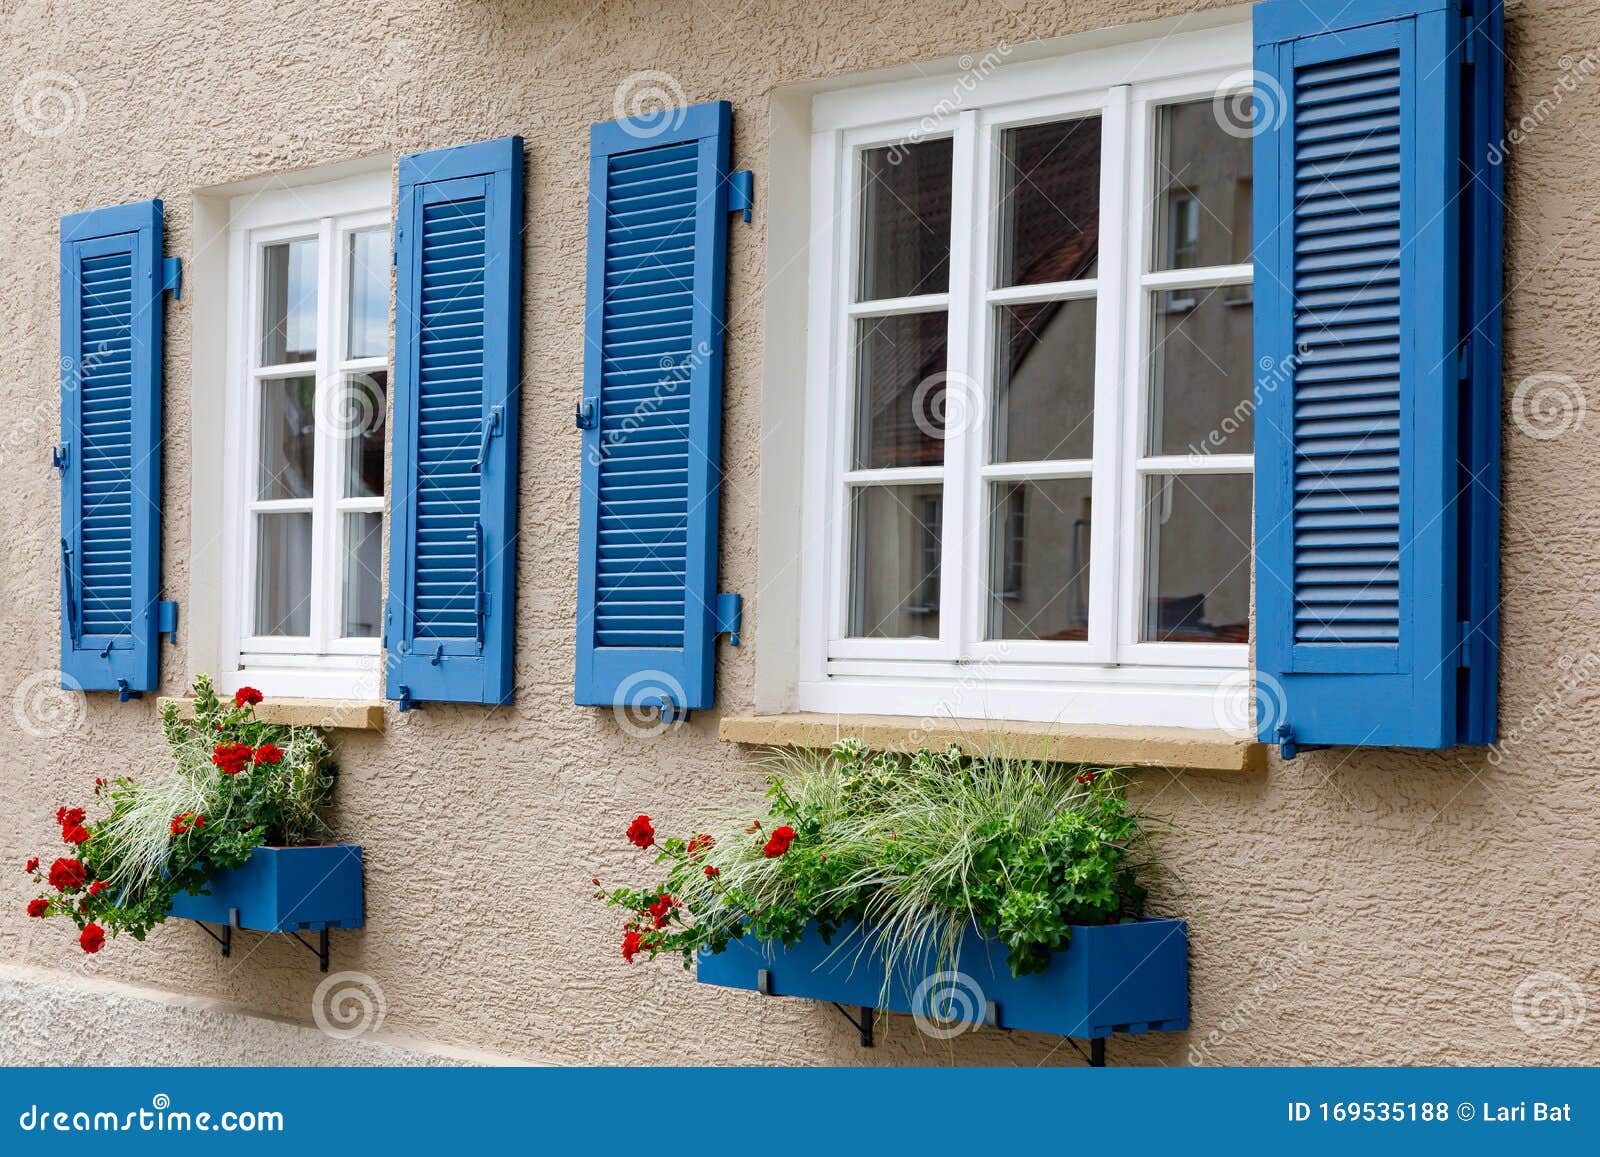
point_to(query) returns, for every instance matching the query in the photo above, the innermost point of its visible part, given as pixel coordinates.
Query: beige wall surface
(1351, 906)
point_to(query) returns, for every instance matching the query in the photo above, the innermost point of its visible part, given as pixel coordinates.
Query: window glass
(1044, 381)
(1039, 559)
(283, 574)
(289, 303)
(895, 561)
(362, 535)
(905, 220)
(368, 275)
(1201, 377)
(1049, 202)
(1197, 558)
(288, 437)
(362, 424)
(900, 390)
(1202, 189)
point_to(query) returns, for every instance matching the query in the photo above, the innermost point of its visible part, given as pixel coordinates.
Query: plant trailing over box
(918, 849)
(236, 784)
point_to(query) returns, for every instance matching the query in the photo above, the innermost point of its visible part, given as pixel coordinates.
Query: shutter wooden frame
(112, 280)
(1323, 452)
(449, 619)
(652, 398)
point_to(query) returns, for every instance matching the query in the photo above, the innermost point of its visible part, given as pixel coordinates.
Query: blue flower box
(1129, 978)
(284, 890)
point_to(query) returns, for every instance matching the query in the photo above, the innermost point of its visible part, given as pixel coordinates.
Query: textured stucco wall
(1348, 907)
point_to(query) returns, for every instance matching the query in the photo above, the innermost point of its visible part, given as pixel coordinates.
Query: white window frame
(1113, 677)
(323, 666)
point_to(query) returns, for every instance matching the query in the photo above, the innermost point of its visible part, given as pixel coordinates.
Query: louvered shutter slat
(448, 626)
(1373, 555)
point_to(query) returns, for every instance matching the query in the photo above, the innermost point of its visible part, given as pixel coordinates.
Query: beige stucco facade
(1350, 906)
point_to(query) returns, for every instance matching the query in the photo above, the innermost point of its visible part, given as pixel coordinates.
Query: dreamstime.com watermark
(1573, 74)
(649, 104)
(1273, 974)
(1547, 405)
(160, 1117)
(1548, 1005)
(974, 71)
(49, 705)
(947, 1004)
(1576, 672)
(347, 1005)
(47, 104)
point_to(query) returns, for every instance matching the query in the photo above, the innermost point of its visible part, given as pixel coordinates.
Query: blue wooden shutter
(448, 623)
(1377, 219)
(112, 278)
(648, 608)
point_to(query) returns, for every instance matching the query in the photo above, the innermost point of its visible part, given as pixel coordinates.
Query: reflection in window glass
(283, 574)
(895, 548)
(369, 294)
(1197, 558)
(1050, 202)
(1201, 376)
(288, 437)
(900, 390)
(289, 302)
(905, 220)
(1039, 559)
(1203, 190)
(362, 423)
(1044, 381)
(363, 565)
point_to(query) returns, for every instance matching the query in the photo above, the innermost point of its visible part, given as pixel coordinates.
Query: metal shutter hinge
(405, 702)
(58, 455)
(1288, 748)
(742, 192)
(172, 277)
(124, 692)
(584, 416)
(167, 620)
(730, 616)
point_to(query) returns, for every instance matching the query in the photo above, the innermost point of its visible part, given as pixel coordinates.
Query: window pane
(1201, 372)
(894, 576)
(1050, 202)
(289, 303)
(288, 437)
(900, 390)
(1197, 563)
(1202, 190)
(1044, 381)
(361, 424)
(369, 294)
(905, 220)
(363, 568)
(1039, 559)
(283, 574)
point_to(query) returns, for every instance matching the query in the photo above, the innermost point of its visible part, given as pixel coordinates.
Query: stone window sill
(1173, 747)
(344, 714)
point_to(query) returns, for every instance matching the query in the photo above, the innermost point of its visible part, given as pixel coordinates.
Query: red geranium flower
(93, 937)
(32, 865)
(69, 817)
(701, 843)
(98, 784)
(75, 834)
(187, 822)
(1088, 777)
(660, 909)
(641, 833)
(38, 907)
(231, 757)
(66, 875)
(97, 887)
(779, 843)
(246, 695)
(712, 872)
(632, 945)
(269, 753)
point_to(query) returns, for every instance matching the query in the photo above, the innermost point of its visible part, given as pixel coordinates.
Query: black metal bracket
(321, 951)
(1097, 1053)
(225, 938)
(863, 1026)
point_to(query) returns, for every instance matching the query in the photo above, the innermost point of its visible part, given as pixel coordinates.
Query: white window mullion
(962, 534)
(1119, 211)
(325, 573)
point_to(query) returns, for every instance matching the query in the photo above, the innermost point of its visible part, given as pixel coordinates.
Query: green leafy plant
(235, 784)
(914, 851)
